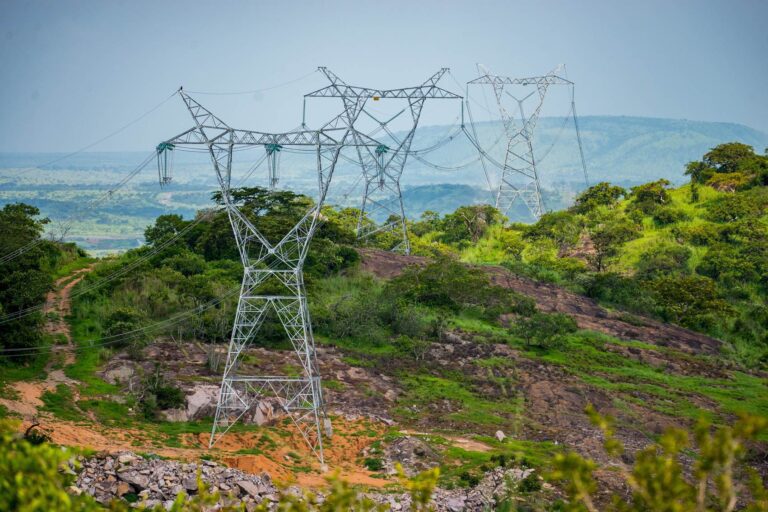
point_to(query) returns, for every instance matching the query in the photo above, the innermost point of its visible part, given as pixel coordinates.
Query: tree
(24, 280)
(602, 194)
(726, 158)
(469, 223)
(561, 227)
(607, 237)
(696, 170)
(649, 196)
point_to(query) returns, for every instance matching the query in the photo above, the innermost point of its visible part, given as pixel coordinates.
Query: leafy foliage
(657, 480)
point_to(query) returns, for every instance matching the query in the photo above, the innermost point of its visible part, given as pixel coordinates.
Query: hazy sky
(73, 71)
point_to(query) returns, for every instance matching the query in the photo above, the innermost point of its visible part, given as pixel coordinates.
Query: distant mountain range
(623, 150)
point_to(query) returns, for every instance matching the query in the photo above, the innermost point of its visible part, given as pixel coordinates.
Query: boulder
(174, 415)
(249, 488)
(134, 478)
(500, 435)
(201, 403)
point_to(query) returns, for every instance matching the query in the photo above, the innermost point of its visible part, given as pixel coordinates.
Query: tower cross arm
(238, 137)
(535, 80)
(340, 89)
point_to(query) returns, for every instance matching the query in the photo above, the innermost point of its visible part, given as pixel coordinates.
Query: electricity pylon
(382, 165)
(519, 173)
(273, 276)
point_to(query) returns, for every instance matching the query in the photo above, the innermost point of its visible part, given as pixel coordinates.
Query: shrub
(412, 347)
(373, 464)
(658, 480)
(545, 330)
(663, 259)
(665, 215)
(689, 300)
(697, 234)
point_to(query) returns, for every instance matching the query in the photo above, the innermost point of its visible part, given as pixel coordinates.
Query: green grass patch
(424, 390)
(109, 413)
(585, 355)
(61, 404)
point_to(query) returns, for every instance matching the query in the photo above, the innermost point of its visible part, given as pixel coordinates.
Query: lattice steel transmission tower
(382, 165)
(273, 277)
(519, 174)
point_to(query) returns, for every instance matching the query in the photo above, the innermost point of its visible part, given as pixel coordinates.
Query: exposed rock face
(156, 481)
(201, 402)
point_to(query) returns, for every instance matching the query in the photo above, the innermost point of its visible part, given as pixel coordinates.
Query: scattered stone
(158, 482)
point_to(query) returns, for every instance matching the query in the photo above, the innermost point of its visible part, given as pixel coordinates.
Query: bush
(663, 259)
(697, 234)
(411, 347)
(665, 215)
(373, 464)
(691, 301)
(454, 286)
(545, 330)
(658, 480)
(158, 395)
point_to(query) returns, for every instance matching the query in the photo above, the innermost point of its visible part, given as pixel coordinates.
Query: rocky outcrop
(150, 481)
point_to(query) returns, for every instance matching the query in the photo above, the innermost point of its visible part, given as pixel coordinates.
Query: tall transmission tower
(273, 278)
(519, 173)
(382, 165)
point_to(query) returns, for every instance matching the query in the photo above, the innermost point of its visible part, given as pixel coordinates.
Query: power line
(107, 195)
(124, 336)
(99, 141)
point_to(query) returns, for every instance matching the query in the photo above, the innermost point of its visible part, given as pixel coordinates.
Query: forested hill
(624, 150)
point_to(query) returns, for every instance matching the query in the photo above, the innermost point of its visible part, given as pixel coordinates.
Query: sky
(76, 71)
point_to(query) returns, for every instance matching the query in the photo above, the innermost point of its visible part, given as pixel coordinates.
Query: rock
(249, 488)
(500, 435)
(135, 479)
(123, 488)
(120, 374)
(202, 402)
(75, 490)
(265, 411)
(124, 458)
(455, 504)
(190, 483)
(413, 454)
(174, 415)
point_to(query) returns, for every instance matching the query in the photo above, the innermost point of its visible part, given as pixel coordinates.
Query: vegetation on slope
(696, 255)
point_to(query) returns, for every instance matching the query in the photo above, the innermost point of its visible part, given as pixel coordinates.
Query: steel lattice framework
(382, 166)
(269, 266)
(519, 174)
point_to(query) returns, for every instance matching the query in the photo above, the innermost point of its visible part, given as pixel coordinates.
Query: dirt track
(551, 298)
(58, 302)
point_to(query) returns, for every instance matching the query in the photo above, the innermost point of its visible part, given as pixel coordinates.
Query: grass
(88, 359)
(61, 404)
(584, 354)
(109, 413)
(424, 390)
(70, 267)
(34, 369)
